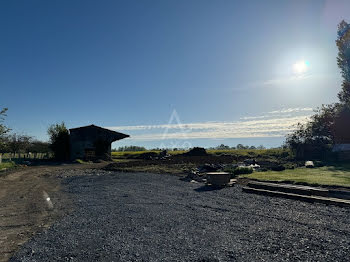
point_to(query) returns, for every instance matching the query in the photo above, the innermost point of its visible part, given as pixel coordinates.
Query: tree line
(18, 145)
(238, 146)
(219, 147)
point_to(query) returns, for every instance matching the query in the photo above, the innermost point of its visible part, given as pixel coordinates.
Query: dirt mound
(196, 151)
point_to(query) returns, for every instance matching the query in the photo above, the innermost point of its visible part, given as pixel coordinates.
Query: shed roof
(112, 134)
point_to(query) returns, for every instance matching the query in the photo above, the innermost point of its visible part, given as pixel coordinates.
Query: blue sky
(230, 71)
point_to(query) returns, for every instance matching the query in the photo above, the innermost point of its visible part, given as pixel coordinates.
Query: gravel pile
(150, 217)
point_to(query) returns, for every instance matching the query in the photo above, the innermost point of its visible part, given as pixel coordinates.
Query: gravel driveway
(150, 217)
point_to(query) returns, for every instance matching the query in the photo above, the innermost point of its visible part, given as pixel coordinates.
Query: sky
(170, 73)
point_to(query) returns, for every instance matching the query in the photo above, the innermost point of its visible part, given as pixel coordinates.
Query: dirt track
(24, 205)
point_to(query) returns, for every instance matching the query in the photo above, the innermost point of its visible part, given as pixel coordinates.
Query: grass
(7, 165)
(8, 156)
(327, 175)
(273, 152)
(80, 161)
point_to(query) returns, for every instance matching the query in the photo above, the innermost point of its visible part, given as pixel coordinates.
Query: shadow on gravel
(206, 188)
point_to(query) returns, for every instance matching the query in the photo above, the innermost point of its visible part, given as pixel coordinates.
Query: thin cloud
(291, 110)
(273, 127)
(287, 112)
(279, 82)
(283, 81)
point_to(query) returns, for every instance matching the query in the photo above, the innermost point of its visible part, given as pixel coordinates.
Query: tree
(222, 147)
(131, 148)
(59, 141)
(37, 146)
(317, 135)
(18, 143)
(3, 131)
(3, 128)
(314, 138)
(3, 146)
(240, 146)
(343, 59)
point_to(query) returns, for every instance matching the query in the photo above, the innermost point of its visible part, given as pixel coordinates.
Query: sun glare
(301, 67)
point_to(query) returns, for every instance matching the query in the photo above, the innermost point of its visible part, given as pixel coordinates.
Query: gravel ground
(150, 217)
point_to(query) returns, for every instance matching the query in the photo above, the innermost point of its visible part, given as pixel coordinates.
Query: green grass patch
(80, 161)
(273, 152)
(7, 165)
(327, 175)
(129, 154)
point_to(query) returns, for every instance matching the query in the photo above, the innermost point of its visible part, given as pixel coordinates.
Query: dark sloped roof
(113, 134)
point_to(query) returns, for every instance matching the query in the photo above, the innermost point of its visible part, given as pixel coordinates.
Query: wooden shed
(92, 142)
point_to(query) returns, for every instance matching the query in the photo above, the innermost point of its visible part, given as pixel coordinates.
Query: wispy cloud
(286, 80)
(292, 110)
(287, 112)
(281, 81)
(273, 124)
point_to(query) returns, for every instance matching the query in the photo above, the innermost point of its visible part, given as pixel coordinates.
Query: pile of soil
(196, 151)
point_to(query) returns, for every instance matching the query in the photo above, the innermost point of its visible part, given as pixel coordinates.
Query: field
(238, 153)
(327, 175)
(333, 174)
(176, 163)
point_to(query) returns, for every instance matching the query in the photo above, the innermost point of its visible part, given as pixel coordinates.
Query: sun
(301, 67)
